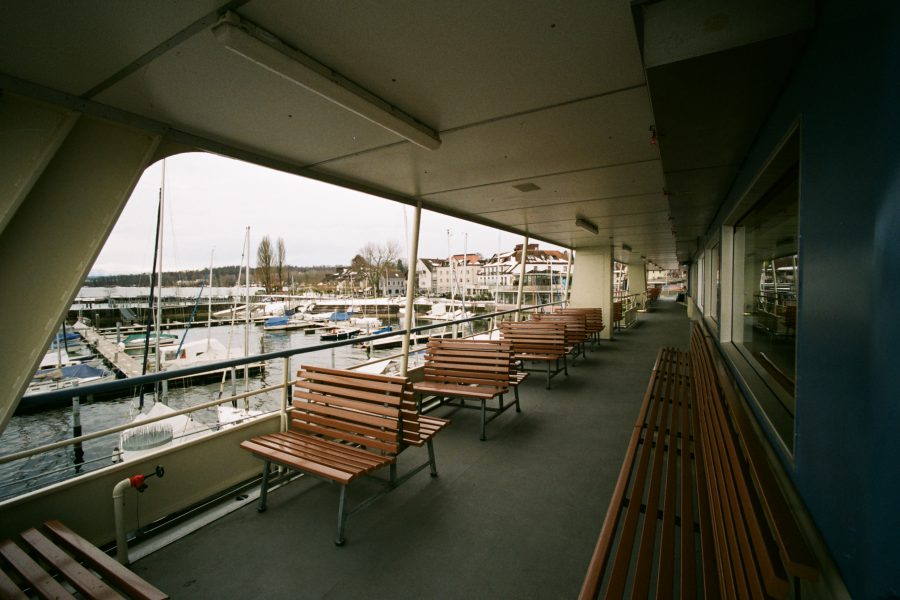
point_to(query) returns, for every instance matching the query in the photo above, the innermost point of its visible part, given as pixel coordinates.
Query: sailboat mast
(247, 311)
(159, 261)
(209, 311)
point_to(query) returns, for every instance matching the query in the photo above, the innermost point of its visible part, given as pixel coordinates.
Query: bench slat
(348, 397)
(796, 553)
(80, 578)
(644, 566)
(346, 459)
(351, 457)
(9, 589)
(622, 559)
(32, 572)
(710, 572)
(109, 568)
(680, 403)
(749, 549)
(385, 439)
(688, 548)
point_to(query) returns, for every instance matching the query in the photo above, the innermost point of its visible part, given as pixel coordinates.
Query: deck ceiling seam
(544, 175)
(481, 123)
(169, 44)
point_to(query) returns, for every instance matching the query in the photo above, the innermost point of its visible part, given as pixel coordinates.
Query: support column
(637, 282)
(57, 230)
(594, 286)
(522, 261)
(410, 288)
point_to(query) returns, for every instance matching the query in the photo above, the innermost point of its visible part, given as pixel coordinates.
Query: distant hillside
(222, 277)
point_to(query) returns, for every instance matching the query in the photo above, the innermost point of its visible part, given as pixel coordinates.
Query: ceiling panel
(574, 137)
(603, 182)
(74, 46)
(243, 104)
(451, 64)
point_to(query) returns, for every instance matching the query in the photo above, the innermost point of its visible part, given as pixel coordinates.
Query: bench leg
(393, 470)
(429, 444)
(342, 517)
(549, 368)
(565, 366)
(516, 392)
(264, 488)
(483, 403)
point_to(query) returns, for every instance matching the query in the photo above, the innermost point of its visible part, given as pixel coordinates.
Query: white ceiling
(520, 91)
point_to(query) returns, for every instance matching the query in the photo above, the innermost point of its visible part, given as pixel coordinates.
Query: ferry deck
(751, 144)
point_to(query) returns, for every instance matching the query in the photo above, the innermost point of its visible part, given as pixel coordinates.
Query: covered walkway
(516, 516)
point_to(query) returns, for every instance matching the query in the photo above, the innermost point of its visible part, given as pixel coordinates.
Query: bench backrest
(593, 317)
(461, 361)
(576, 325)
(348, 406)
(535, 337)
(748, 511)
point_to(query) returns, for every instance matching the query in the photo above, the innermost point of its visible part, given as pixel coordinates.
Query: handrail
(87, 390)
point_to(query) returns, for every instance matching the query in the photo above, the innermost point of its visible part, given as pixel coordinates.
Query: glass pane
(766, 281)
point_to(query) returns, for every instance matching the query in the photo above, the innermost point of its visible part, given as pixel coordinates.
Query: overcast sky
(210, 200)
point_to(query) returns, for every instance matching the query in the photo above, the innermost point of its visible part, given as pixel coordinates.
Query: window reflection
(766, 279)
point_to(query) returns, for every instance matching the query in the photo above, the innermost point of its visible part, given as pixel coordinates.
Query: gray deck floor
(516, 516)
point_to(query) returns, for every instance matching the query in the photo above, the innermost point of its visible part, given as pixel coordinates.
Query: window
(766, 278)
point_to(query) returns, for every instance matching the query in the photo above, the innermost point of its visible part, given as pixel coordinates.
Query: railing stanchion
(285, 392)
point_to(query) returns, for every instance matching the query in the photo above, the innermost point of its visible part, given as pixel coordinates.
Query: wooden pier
(127, 365)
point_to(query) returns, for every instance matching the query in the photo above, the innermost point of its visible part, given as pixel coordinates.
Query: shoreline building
(545, 275)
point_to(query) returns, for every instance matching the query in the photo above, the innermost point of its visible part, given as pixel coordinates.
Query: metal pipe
(521, 293)
(410, 289)
(118, 497)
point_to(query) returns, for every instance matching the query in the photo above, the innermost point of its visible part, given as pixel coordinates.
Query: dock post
(118, 332)
(76, 431)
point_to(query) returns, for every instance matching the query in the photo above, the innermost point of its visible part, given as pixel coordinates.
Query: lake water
(30, 431)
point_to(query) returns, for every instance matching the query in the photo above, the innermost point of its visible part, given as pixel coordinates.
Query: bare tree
(280, 255)
(379, 258)
(264, 260)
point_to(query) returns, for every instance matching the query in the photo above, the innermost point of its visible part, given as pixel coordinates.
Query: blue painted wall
(846, 95)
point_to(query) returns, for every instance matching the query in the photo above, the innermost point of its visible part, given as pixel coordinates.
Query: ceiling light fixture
(266, 50)
(586, 225)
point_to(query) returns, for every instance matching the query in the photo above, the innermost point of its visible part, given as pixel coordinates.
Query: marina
(690, 210)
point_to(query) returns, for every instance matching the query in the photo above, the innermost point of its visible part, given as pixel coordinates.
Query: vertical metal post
(285, 392)
(410, 288)
(76, 430)
(565, 297)
(521, 293)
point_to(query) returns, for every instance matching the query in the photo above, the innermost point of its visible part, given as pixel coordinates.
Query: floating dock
(125, 364)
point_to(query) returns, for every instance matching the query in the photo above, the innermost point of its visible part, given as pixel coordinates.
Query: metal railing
(284, 386)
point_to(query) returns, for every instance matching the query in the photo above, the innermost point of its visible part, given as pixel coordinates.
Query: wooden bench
(617, 314)
(593, 319)
(576, 330)
(539, 342)
(344, 425)
(696, 511)
(59, 563)
(459, 370)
